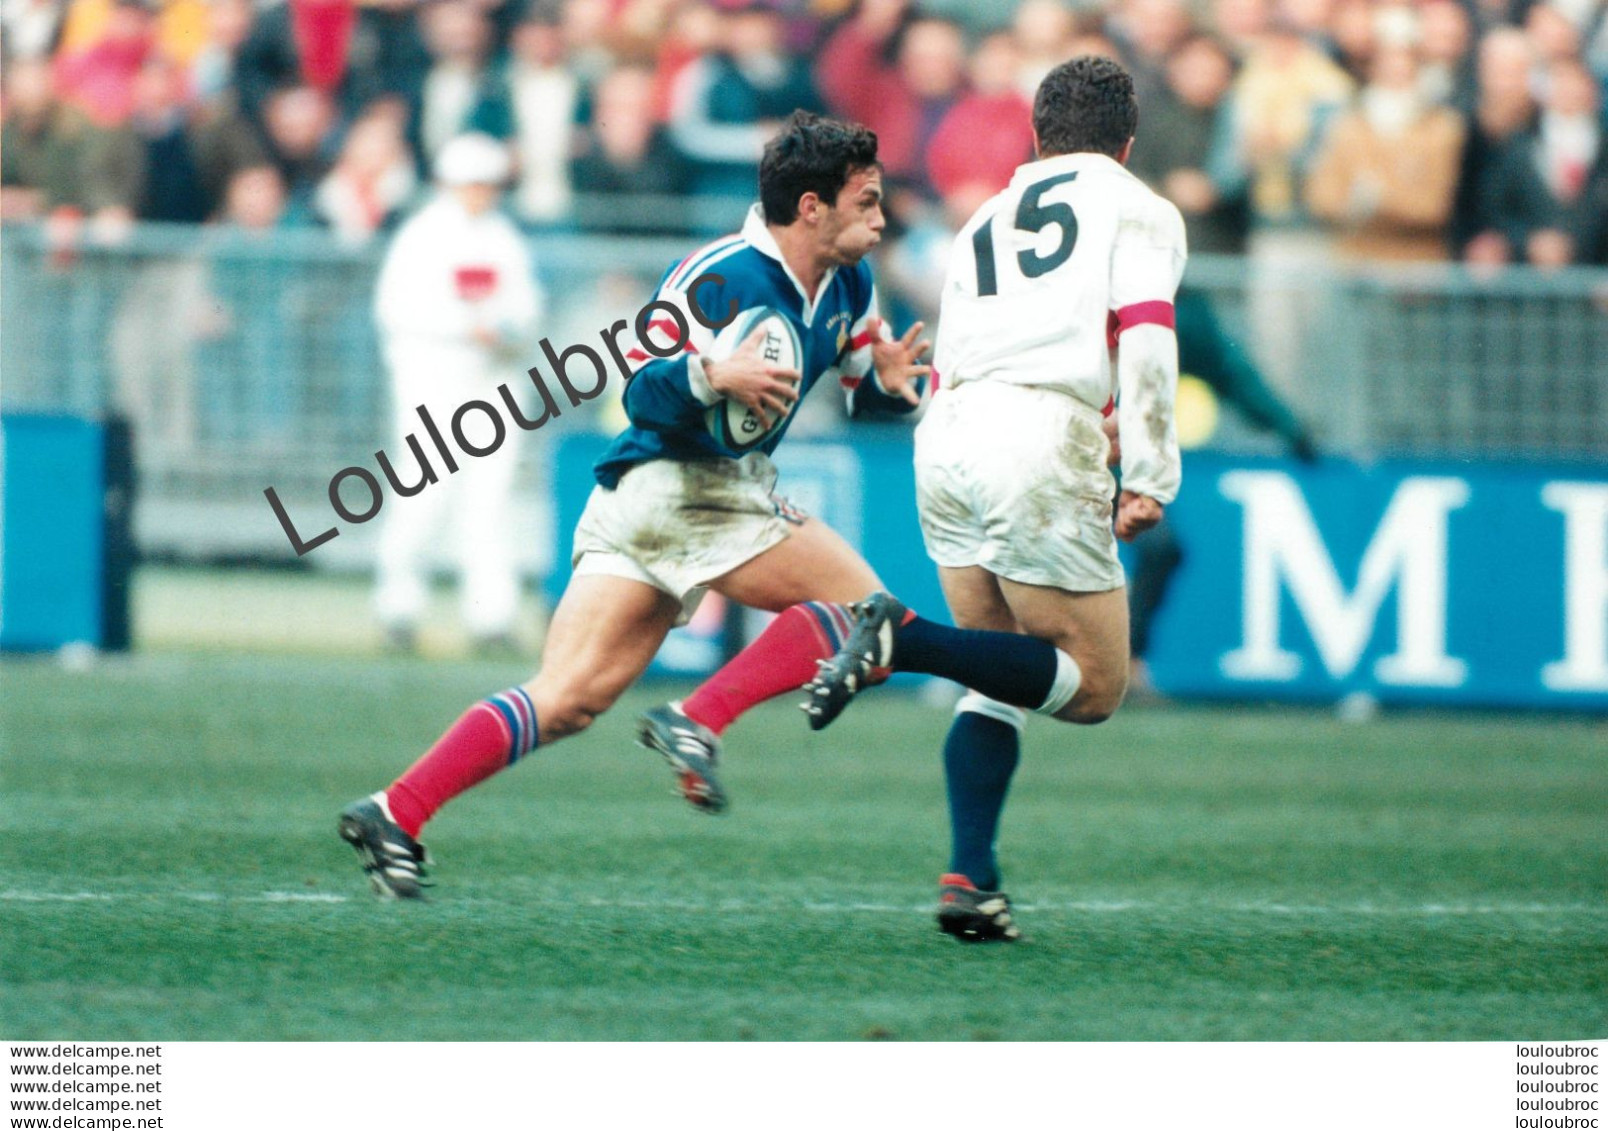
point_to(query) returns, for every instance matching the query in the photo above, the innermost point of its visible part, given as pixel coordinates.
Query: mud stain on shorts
(1074, 482)
(715, 485)
(650, 542)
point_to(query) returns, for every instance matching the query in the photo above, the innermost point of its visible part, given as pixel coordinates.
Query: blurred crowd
(1386, 129)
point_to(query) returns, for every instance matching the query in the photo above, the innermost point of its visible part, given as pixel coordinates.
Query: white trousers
(463, 518)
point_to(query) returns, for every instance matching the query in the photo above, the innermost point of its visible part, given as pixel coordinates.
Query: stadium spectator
(544, 96)
(1147, 32)
(1505, 109)
(254, 202)
(693, 32)
(212, 71)
(57, 161)
(35, 129)
(460, 83)
(989, 131)
(178, 27)
(456, 304)
(243, 356)
(1190, 154)
(902, 103)
(305, 43)
(1595, 52)
(635, 31)
(587, 28)
(31, 28)
(1550, 188)
(932, 69)
(1445, 43)
(624, 152)
(172, 188)
(372, 179)
(1285, 95)
(501, 17)
(1387, 173)
(1497, 13)
(1240, 24)
(97, 75)
(300, 122)
(222, 140)
(1043, 31)
(728, 103)
(1313, 21)
(157, 376)
(1556, 38)
(395, 57)
(1353, 37)
(1095, 42)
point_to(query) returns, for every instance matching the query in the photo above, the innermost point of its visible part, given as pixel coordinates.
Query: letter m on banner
(1285, 551)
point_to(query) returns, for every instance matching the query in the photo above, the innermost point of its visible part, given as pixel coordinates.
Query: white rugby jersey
(1074, 258)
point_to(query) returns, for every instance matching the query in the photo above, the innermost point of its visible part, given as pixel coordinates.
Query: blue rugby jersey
(665, 398)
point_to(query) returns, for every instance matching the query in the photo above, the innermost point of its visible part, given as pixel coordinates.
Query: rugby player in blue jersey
(679, 511)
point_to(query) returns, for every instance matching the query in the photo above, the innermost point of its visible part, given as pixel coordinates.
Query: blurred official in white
(457, 306)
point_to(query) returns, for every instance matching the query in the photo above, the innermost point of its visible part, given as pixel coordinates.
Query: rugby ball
(738, 427)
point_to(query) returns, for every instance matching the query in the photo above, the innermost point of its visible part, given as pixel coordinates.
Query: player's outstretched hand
(1136, 514)
(1108, 425)
(753, 382)
(898, 362)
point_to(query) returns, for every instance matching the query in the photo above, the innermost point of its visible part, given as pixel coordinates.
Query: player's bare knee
(1096, 701)
(564, 711)
(1086, 714)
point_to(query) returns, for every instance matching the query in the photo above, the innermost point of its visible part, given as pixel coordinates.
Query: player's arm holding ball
(1146, 265)
(747, 378)
(669, 389)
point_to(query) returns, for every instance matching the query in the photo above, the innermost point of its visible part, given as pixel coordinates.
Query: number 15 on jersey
(1034, 216)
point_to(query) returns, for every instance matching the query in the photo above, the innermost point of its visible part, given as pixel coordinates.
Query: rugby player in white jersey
(1059, 297)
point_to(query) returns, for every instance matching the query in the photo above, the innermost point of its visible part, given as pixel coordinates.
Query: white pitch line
(190, 896)
(1085, 907)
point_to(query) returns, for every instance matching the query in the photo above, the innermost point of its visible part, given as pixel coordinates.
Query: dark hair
(1085, 105)
(811, 154)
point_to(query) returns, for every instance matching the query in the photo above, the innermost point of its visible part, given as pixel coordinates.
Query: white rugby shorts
(678, 525)
(1013, 478)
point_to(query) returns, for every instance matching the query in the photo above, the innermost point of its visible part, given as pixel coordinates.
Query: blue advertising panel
(1477, 584)
(51, 526)
(1412, 581)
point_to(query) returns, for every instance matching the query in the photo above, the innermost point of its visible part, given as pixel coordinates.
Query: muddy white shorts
(679, 525)
(1014, 479)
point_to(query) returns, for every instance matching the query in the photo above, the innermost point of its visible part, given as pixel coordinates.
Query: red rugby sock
(781, 659)
(490, 736)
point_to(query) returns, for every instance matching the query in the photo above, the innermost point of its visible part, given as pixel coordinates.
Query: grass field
(168, 869)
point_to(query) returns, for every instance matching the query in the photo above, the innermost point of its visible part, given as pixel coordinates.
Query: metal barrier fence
(246, 361)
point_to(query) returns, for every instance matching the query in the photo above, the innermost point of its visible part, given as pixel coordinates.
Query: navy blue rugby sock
(1023, 671)
(980, 757)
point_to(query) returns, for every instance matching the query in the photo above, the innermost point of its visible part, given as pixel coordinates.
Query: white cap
(472, 159)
